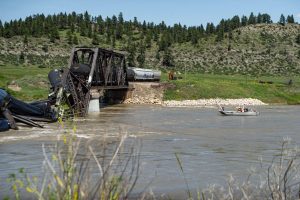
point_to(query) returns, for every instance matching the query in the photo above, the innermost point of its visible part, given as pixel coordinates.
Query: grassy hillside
(256, 50)
(261, 49)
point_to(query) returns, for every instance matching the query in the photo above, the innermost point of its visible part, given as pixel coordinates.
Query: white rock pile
(213, 102)
(143, 100)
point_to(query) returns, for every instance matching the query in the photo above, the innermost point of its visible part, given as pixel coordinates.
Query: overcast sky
(188, 12)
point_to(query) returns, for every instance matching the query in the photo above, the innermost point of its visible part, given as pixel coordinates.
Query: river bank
(196, 103)
(153, 93)
(213, 102)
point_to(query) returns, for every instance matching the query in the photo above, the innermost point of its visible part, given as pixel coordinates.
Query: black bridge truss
(103, 69)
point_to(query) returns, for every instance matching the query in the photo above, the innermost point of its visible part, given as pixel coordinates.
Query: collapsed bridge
(89, 69)
(92, 74)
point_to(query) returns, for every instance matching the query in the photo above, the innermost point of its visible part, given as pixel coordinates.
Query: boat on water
(241, 111)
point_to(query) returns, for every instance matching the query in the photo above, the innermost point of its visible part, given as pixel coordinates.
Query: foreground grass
(103, 168)
(197, 86)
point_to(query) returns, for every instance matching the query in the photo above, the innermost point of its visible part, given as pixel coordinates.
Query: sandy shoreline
(213, 102)
(197, 103)
(152, 93)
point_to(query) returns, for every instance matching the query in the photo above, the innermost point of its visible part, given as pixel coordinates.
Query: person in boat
(11, 106)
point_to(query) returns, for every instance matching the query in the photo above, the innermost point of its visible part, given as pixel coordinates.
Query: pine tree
(141, 56)
(282, 20)
(52, 38)
(167, 58)
(210, 28)
(157, 55)
(1, 29)
(7, 31)
(235, 22)
(120, 18)
(113, 40)
(164, 42)
(21, 58)
(252, 19)
(95, 40)
(54, 34)
(114, 21)
(229, 47)
(230, 35)
(244, 21)
(130, 59)
(148, 40)
(25, 40)
(135, 22)
(144, 27)
(82, 29)
(298, 39)
(290, 19)
(155, 37)
(101, 27)
(87, 17)
(220, 35)
(131, 53)
(69, 37)
(259, 18)
(72, 27)
(45, 48)
(119, 32)
(266, 18)
(108, 37)
(221, 30)
(90, 31)
(75, 40)
(194, 39)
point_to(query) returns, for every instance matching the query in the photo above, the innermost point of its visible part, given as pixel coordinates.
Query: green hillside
(253, 46)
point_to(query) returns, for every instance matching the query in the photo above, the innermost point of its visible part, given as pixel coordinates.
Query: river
(210, 146)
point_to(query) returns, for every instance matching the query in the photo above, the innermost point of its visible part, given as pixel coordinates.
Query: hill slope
(261, 49)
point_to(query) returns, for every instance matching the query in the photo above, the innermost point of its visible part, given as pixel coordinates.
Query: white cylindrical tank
(134, 73)
(156, 75)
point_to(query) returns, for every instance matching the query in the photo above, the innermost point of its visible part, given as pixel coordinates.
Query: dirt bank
(145, 93)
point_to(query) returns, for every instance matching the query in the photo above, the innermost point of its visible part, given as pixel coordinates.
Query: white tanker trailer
(140, 74)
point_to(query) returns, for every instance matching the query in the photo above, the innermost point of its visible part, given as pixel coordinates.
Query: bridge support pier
(94, 104)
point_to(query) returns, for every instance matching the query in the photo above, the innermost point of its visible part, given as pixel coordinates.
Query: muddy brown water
(210, 146)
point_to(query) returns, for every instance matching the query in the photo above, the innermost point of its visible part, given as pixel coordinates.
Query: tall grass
(106, 168)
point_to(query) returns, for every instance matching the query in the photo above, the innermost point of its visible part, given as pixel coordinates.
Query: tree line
(116, 28)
